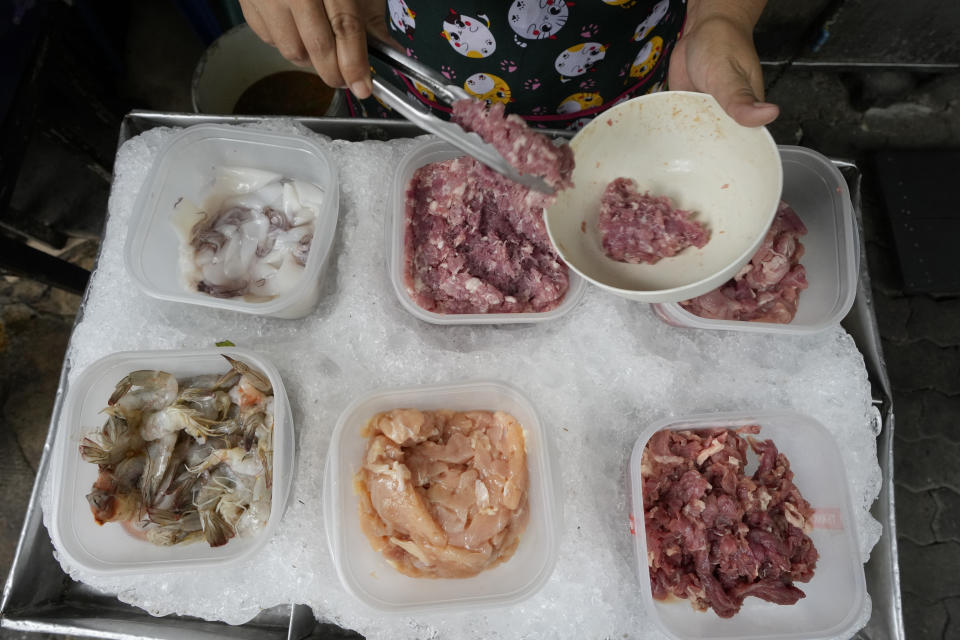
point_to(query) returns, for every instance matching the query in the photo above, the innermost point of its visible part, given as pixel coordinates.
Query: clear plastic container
(184, 169)
(367, 575)
(836, 595)
(424, 153)
(813, 186)
(109, 549)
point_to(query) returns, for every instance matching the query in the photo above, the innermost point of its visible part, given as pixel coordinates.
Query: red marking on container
(726, 186)
(829, 518)
(633, 526)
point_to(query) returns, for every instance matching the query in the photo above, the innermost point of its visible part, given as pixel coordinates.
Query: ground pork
(637, 227)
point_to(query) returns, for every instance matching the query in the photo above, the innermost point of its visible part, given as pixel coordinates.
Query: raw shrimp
(172, 419)
(257, 513)
(250, 378)
(113, 507)
(238, 459)
(188, 460)
(211, 404)
(144, 391)
(174, 529)
(217, 529)
(112, 443)
(159, 454)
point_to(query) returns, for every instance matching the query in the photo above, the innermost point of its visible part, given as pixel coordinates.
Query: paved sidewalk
(921, 342)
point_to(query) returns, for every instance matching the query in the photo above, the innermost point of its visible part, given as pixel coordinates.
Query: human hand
(331, 35)
(716, 55)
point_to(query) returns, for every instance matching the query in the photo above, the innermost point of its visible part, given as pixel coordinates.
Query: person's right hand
(329, 34)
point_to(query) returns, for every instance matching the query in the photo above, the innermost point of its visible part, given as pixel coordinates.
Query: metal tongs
(446, 93)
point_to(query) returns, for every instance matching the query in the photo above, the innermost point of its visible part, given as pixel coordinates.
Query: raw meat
(527, 151)
(766, 289)
(476, 242)
(637, 227)
(443, 494)
(716, 535)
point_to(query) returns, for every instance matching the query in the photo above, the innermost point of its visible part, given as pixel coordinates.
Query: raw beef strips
(768, 287)
(527, 151)
(716, 535)
(637, 227)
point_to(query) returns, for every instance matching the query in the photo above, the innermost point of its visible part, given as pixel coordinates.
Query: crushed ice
(597, 376)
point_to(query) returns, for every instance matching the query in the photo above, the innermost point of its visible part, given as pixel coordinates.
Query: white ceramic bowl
(684, 146)
(368, 576)
(108, 549)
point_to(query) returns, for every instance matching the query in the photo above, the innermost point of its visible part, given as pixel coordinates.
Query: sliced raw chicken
(443, 494)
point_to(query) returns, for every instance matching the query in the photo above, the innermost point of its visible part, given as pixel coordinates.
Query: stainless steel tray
(39, 597)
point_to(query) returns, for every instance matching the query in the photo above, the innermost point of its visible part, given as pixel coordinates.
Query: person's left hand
(716, 55)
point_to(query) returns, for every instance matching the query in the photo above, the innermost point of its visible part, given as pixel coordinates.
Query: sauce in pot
(288, 93)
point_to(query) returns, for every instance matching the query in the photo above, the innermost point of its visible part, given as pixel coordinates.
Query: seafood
(251, 238)
(185, 461)
(443, 494)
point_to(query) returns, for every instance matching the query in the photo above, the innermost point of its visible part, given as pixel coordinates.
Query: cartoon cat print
(469, 36)
(487, 87)
(537, 19)
(645, 27)
(579, 102)
(647, 58)
(578, 59)
(402, 18)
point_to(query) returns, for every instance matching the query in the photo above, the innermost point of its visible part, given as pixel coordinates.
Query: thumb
(741, 103)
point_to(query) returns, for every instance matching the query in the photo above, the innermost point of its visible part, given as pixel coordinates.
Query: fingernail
(762, 105)
(360, 89)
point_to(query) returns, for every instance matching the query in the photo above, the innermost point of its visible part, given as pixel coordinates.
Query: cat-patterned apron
(557, 63)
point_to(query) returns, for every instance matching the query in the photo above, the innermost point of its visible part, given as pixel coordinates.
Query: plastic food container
(837, 593)
(109, 549)
(813, 186)
(422, 154)
(184, 169)
(368, 576)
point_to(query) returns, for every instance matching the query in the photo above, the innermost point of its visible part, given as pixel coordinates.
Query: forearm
(744, 13)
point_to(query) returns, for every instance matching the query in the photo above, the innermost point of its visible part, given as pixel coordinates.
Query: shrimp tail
(215, 528)
(121, 390)
(257, 379)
